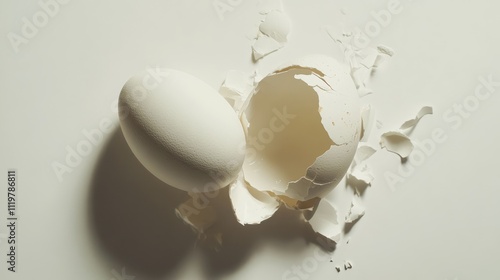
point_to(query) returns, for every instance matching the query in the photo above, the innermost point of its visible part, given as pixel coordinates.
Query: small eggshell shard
(273, 34)
(385, 50)
(367, 122)
(199, 219)
(361, 175)
(276, 25)
(236, 88)
(364, 91)
(397, 142)
(202, 219)
(325, 221)
(363, 153)
(355, 213)
(363, 62)
(426, 110)
(367, 58)
(250, 205)
(181, 130)
(347, 265)
(264, 45)
(384, 53)
(212, 239)
(303, 129)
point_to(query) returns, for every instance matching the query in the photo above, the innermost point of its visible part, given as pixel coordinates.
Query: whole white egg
(181, 130)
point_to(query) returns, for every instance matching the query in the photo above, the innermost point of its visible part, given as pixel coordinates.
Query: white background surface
(109, 213)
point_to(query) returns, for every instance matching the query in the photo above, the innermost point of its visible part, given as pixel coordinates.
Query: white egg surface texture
(181, 130)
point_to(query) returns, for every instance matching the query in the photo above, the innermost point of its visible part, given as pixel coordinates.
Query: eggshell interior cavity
(303, 127)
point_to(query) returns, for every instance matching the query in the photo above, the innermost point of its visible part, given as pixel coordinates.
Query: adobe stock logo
(380, 19)
(30, 27)
(223, 6)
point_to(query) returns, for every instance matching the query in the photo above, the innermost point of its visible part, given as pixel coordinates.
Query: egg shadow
(240, 241)
(131, 214)
(132, 218)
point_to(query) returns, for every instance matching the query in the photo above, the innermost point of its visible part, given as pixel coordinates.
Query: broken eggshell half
(302, 124)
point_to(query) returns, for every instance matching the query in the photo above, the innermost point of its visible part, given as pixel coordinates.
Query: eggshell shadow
(131, 215)
(240, 242)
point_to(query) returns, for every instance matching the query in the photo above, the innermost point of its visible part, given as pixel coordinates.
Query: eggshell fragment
(276, 25)
(363, 153)
(367, 122)
(325, 221)
(356, 212)
(181, 130)
(250, 205)
(200, 220)
(426, 110)
(236, 88)
(385, 50)
(264, 45)
(272, 35)
(362, 61)
(362, 177)
(397, 142)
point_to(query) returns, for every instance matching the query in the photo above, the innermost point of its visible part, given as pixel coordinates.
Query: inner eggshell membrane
(285, 135)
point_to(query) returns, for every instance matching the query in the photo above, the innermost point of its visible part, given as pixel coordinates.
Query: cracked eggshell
(181, 130)
(276, 25)
(251, 206)
(303, 126)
